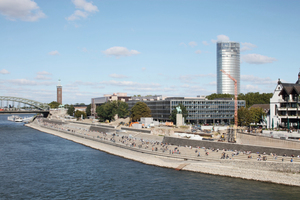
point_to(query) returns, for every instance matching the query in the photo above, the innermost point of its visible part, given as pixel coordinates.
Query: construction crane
(235, 99)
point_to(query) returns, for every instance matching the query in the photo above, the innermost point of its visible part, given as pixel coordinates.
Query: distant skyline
(142, 47)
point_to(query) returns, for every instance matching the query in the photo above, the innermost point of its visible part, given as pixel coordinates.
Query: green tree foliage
(215, 96)
(88, 110)
(54, 104)
(78, 114)
(108, 110)
(244, 117)
(140, 109)
(255, 98)
(256, 115)
(174, 112)
(250, 98)
(71, 110)
(252, 115)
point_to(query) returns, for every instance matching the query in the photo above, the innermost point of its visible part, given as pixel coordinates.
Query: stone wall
(102, 129)
(230, 146)
(258, 140)
(136, 130)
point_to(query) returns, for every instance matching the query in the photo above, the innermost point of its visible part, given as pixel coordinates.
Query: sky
(146, 47)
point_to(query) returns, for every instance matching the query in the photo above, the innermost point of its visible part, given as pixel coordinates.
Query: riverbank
(251, 170)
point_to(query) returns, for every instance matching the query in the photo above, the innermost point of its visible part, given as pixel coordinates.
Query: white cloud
(25, 10)
(258, 80)
(87, 8)
(84, 49)
(129, 83)
(221, 38)
(246, 46)
(120, 51)
(257, 59)
(198, 52)
(250, 88)
(118, 76)
(143, 68)
(77, 15)
(42, 77)
(4, 71)
(29, 82)
(53, 53)
(44, 73)
(189, 78)
(194, 88)
(193, 44)
(86, 83)
(205, 43)
(182, 44)
(213, 83)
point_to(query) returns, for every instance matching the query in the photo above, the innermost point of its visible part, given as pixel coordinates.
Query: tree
(174, 112)
(255, 98)
(71, 110)
(78, 114)
(256, 115)
(108, 110)
(215, 96)
(88, 110)
(54, 104)
(140, 109)
(122, 109)
(244, 117)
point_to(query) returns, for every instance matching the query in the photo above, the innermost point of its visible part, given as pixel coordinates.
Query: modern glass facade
(199, 110)
(228, 59)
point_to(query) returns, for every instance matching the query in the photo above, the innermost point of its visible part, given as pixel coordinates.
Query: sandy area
(132, 147)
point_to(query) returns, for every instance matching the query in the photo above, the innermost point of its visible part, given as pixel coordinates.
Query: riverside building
(200, 109)
(228, 59)
(284, 105)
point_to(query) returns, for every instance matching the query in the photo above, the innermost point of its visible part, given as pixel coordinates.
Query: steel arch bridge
(36, 104)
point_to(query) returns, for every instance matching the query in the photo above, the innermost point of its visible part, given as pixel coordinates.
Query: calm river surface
(36, 165)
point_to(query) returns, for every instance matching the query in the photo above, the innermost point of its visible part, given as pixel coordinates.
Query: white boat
(27, 119)
(11, 118)
(18, 119)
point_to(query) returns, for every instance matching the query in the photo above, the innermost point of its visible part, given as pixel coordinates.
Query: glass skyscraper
(228, 59)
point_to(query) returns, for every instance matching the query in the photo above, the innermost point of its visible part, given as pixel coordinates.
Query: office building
(228, 59)
(200, 110)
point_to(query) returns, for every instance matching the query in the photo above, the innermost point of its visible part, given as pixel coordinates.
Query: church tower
(59, 92)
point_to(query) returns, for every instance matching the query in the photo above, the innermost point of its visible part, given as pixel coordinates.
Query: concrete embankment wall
(262, 165)
(258, 140)
(231, 146)
(54, 121)
(136, 130)
(102, 129)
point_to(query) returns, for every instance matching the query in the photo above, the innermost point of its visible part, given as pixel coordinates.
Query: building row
(200, 110)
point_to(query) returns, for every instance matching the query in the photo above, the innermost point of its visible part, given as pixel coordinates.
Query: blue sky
(142, 47)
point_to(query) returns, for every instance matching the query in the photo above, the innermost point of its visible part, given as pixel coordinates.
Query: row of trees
(250, 98)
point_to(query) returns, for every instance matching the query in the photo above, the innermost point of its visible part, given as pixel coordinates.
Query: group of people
(155, 146)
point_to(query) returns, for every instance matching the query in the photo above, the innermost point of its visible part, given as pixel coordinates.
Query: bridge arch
(36, 104)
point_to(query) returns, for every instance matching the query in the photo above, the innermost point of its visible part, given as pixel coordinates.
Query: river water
(37, 165)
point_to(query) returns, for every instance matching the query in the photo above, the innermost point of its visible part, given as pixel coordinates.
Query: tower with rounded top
(59, 92)
(228, 59)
